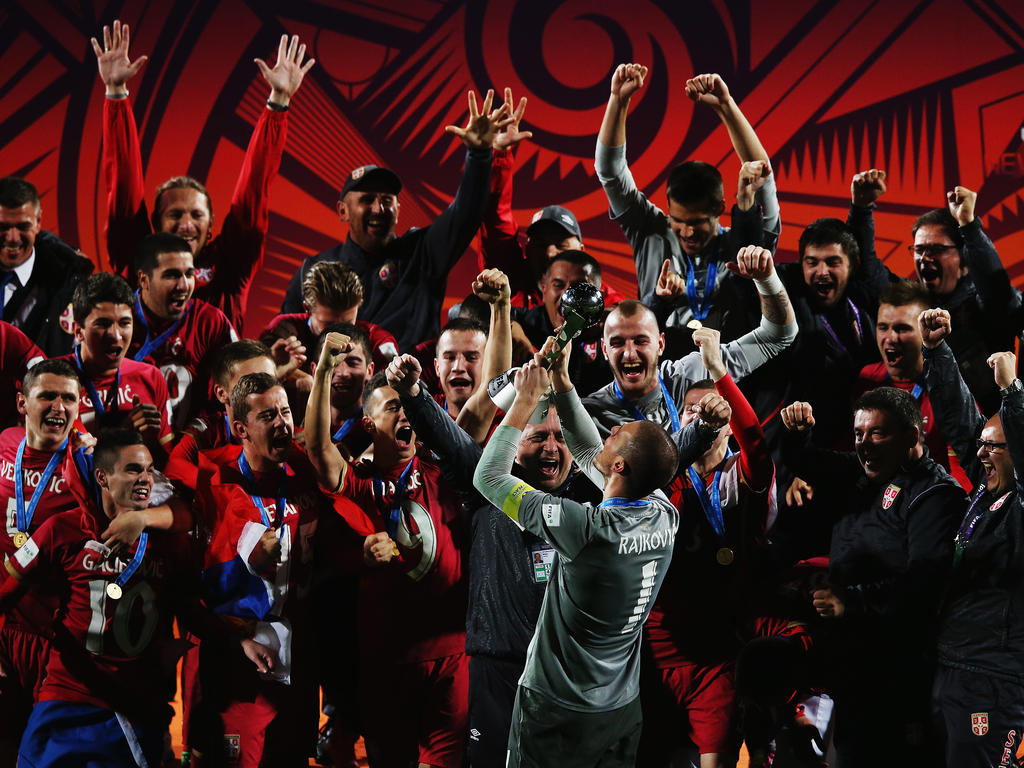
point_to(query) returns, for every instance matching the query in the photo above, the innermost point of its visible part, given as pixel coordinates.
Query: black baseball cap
(367, 176)
(554, 215)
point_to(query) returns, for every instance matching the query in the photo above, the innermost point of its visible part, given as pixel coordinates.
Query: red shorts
(23, 656)
(703, 695)
(415, 712)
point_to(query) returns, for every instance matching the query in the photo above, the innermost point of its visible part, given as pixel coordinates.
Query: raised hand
(1004, 365)
(935, 326)
(510, 135)
(335, 345)
(289, 355)
(403, 374)
(709, 342)
(753, 262)
(797, 417)
(753, 175)
(799, 493)
(627, 79)
(559, 369)
(671, 284)
(288, 71)
(145, 417)
(961, 202)
(492, 286)
(532, 381)
(714, 410)
(484, 124)
(708, 89)
(115, 67)
(867, 187)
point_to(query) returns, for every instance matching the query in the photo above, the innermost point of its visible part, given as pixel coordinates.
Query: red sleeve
(755, 459)
(127, 219)
(499, 232)
(351, 502)
(183, 465)
(17, 351)
(238, 250)
(382, 344)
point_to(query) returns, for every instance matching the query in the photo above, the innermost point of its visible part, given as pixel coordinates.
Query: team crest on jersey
(890, 495)
(204, 276)
(979, 723)
(177, 346)
(999, 502)
(66, 318)
(388, 274)
(232, 745)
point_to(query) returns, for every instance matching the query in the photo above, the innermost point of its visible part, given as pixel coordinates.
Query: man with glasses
(956, 261)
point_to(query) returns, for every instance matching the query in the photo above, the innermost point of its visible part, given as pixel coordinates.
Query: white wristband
(771, 286)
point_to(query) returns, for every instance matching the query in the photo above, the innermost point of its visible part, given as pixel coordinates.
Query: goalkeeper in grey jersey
(578, 702)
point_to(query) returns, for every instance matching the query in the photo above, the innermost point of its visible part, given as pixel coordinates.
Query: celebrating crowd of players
(757, 504)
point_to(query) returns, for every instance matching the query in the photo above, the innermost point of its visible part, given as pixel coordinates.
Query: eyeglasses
(989, 446)
(930, 251)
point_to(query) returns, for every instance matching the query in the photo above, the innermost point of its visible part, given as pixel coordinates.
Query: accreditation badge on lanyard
(542, 560)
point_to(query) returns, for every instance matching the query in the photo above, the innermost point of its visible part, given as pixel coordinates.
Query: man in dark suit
(38, 271)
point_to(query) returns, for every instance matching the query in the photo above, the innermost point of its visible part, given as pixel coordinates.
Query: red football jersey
(423, 596)
(17, 353)
(134, 378)
(106, 652)
(186, 356)
(201, 441)
(382, 343)
(35, 609)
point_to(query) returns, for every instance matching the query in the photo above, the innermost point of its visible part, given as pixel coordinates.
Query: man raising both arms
(226, 265)
(582, 667)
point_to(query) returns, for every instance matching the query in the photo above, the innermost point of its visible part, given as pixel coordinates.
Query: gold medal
(20, 538)
(695, 325)
(725, 556)
(114, 591)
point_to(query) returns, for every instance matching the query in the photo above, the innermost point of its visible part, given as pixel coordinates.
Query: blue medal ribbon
(150, 344)
(701, 308)
(246, 470)
(394, 512)
(97, 404)
(670, 404)
(620, 501)
(133, 566)
(345, 428)
(711, 502)
(915, 393)
(24, 516)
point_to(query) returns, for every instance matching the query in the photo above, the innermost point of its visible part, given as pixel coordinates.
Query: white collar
(24, 272)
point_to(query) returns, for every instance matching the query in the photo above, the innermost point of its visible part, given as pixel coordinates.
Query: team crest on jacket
(999, 502)
(388, 274)
(204, 276)
(66, 318)
(979, 723)
(890, 495)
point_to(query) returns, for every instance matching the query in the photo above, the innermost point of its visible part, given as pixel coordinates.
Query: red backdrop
(930, 91)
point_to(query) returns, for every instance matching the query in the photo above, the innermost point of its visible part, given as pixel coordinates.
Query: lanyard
(246, 470)
(24, 516)
(347, 426)
(150, 344)
(700, 309)
(670, 404)
(133, 566)
(620, 501)
(97, 404)
(711, 502)
(915, 393)
(395, 510)
(963, 536)
(856, 321)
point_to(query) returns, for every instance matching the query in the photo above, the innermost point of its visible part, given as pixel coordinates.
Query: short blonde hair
(333, 285)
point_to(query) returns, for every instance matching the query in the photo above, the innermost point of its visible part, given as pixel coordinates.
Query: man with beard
(38, 272)
(890, 556)
(979, 688)
(688, 234)
(116, 390)
(176, 332)
(589, 366)
(413, 672)
(405, 276)
(956, 261)
(898, 336)
(649, 389)
(508, 568)
(227, 264)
